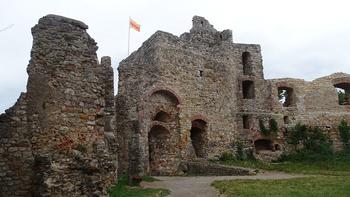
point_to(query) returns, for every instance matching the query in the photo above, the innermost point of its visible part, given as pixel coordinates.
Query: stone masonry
(200, 94)
(180, 100)
(59, 138)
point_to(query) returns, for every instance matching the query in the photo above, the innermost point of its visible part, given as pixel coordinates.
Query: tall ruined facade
(59, 138)
(198, 95)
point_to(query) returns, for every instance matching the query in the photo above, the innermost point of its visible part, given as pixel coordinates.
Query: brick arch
(199, 117)
(159, 124)
(167, 90)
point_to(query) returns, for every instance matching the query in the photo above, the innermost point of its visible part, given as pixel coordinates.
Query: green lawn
(123, 190)
(336, 168)
(330, 177)
(319, 186)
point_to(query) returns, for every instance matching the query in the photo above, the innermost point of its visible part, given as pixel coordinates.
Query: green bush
(240, 152)
(273, 125)
(316, 145)
(344, 131)
(226, 156)
(297, 134)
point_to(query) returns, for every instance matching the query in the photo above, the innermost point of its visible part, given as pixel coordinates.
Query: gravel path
(199, 186)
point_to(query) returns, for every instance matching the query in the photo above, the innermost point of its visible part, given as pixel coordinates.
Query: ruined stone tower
(199, 95)
(58, 139)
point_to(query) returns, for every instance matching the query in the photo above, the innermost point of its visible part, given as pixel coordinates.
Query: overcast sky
(301, 39)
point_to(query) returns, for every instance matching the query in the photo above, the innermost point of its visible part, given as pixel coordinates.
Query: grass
(123, 190)
(331, 178)
(337, 165)
(336, 168)
(337, 186)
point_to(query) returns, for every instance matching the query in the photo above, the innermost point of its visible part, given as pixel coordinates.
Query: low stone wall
(212, 169)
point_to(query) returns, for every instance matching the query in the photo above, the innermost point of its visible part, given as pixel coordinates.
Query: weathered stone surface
(200, 94)
(60, 123)
(16, 159)
(180, 99)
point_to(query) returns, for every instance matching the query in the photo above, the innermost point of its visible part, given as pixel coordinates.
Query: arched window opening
(199, 137)
(343, 91)
(285, 96)
(263, 145)
(162, 116)
(247, 63)
(248, 89)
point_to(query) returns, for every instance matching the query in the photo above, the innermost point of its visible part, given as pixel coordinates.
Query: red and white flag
(133, 24)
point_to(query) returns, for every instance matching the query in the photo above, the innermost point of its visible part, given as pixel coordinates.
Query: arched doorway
(199, 137)
(158, 141)
(163, 126)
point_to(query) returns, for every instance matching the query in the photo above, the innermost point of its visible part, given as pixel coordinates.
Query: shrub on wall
(273, 125)
(265, 131)
(268, 131)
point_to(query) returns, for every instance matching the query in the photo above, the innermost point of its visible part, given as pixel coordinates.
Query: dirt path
(199, 186)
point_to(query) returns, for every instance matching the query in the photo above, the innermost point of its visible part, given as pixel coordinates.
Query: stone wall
(66, 118)
(16, 158)
(198, 95)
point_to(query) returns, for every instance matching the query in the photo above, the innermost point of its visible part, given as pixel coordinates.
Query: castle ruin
(180, 99)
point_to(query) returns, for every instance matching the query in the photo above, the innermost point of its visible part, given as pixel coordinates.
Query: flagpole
(129, 37)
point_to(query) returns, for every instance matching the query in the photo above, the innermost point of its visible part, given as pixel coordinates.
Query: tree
(341, 97)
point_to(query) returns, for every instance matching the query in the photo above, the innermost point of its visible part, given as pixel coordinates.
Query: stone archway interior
(199, 137)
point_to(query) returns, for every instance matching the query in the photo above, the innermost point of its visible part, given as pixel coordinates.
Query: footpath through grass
(123, 190)
(330, 177)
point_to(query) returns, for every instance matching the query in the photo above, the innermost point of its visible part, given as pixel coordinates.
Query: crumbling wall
(16, 159)
(67, 118)
(216, 82)
(69, 109)
(314, 103)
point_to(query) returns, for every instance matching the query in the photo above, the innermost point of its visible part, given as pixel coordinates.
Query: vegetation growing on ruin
(121, 189)
(313, 154)
(315, 144)
(265, 131)
(341, 97)
(302, 187)
(344, 131)
(273, 127)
